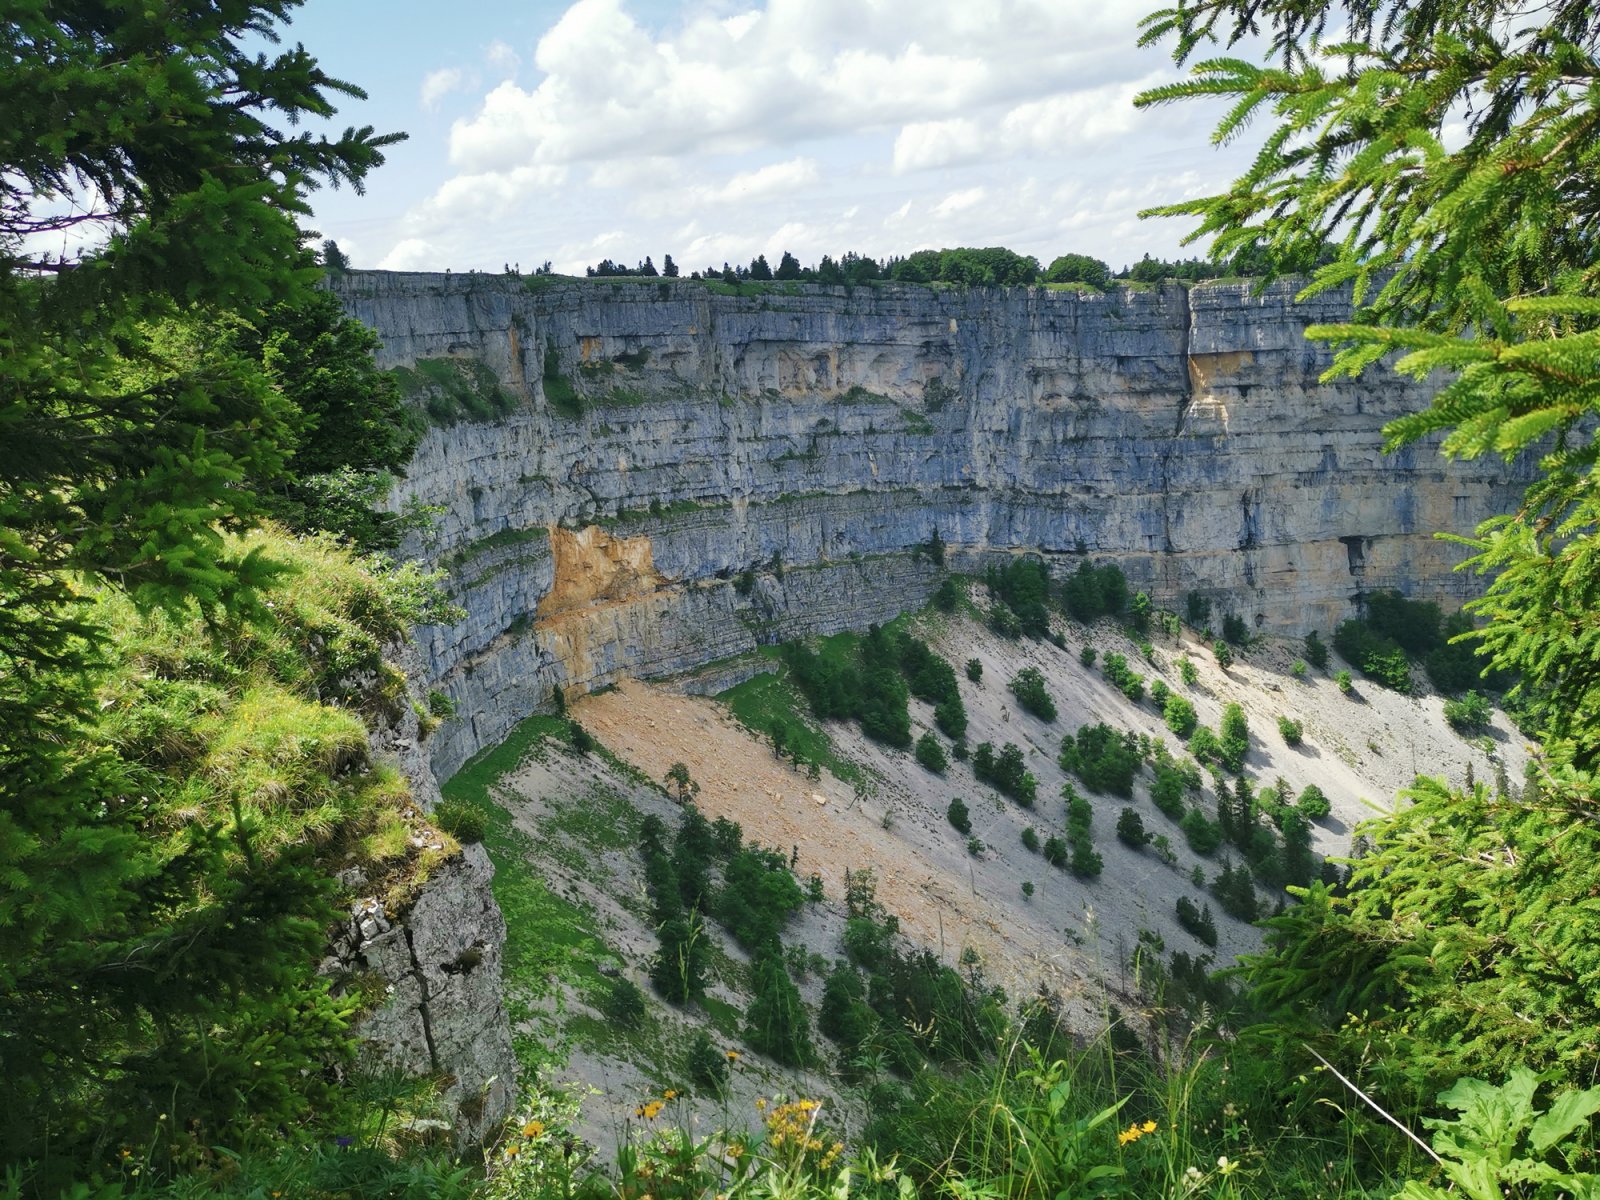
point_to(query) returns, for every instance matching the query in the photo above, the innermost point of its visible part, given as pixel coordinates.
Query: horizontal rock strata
(677, 474)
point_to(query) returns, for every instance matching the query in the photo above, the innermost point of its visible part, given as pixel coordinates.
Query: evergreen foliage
(930, 754)
(1103, 759)
(1006, 772)
(1316, 651)
(1131, 830)
(1028, 686)
(958, 816)
(1197, 921)
(1128, 681)
(1233, 742)
(1023, 586)
(1091, 592)
(1376, 656)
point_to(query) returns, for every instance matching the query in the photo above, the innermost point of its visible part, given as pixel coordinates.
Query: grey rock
(816, 439)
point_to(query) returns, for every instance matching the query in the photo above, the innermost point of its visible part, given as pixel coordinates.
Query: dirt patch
(592, 567)
(947, 900)
(1206, 369)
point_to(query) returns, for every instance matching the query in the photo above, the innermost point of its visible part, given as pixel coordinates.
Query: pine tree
(132, 414)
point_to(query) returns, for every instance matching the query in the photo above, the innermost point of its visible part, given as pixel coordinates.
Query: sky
(717, 130)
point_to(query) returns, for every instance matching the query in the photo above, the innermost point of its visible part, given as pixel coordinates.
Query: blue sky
(714, 131)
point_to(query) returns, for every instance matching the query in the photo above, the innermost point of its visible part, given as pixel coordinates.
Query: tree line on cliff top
(970, 266)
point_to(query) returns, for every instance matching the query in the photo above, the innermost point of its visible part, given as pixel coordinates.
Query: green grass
(765, 698)
(603, 818)
(550, 941)
(449, 390)
(494, 541)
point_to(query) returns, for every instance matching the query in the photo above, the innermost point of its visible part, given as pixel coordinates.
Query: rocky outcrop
(679, 475)
(432, 970)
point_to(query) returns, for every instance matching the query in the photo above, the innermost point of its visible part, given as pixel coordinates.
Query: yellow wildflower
(733, 1056)
(1148, 1127)
(1126, 1136)
(513, 1151)
(761, 1104)
(533, 1129)
(669, 1094)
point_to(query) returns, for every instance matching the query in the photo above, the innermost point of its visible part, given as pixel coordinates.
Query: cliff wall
(678, 474)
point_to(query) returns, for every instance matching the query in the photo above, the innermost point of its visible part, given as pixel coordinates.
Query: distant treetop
(969, 266)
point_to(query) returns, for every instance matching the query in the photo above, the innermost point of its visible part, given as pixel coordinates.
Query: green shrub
(623, 1004)
(1316, 651)
(1087, 655)
(1028, 686)
(1027, 889)
(1005, 772)
(1312, 803)
(930, 754)
(1131, 830)
(1235, 892)
(974, 670)
(1455, 666)
(958, 816)
(1298, 670)
(1291, 731)
(1004, 622)
(951, 718)
(776, 1023)
(1376, 655)
(1085, 862)
(440, 705)
(1056, 851)
(1092, 592)
(1344, 682)
(1179, 714)
(1223, 653)
(1187, 671)
(1203, 834)
(1470, 713)
(947, 596)
(1023, 587)
(708, 1066)
(975, 846)
(1235, 630)
(1030, 839)
(1197, 610)
(1128, 681)
(1103, 759)
(1233, 739)
(1197, 921)
(1168, 790)
(460, 820)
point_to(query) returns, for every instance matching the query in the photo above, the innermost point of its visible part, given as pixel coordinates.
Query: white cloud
(502, 57)
(730, 128)
(796, 68)
(436, 85)
(413, 254)
(927, 144)
(959, 201)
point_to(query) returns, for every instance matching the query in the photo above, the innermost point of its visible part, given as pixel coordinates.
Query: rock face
(678, 474)
(436, 966)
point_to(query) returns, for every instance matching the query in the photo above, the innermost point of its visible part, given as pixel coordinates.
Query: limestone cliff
(435, 968)
(764, 465)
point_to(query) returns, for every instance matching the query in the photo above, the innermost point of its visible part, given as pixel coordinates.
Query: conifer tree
(1467, 251)
(131, 413)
